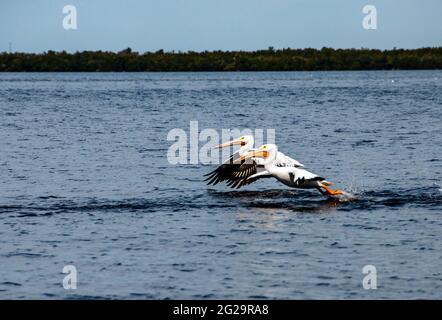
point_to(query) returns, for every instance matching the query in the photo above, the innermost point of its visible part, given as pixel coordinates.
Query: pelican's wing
(285, 161)
(232, 170)
(249, 175)
(262, 174)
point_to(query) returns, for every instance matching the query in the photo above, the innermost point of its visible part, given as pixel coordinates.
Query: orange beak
(228, 144)
(255, 154)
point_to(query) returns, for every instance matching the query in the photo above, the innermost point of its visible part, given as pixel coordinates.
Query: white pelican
(290, 176)
(235, 170)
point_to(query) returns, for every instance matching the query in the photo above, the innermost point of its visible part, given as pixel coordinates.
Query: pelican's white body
(288, 175)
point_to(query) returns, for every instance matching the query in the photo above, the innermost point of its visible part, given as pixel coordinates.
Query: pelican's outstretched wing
(249, 176)
(233, 170)
(285, 161)
(262, 173)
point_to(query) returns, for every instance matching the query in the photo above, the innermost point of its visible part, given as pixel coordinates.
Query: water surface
(84, 180)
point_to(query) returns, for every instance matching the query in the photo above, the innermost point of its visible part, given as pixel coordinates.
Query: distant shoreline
(325, 59)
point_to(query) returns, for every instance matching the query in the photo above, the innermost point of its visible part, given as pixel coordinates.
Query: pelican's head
(267, 152)
(241, 141)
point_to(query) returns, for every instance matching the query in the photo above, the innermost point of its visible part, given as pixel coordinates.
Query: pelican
(235, 170)
(290, 176)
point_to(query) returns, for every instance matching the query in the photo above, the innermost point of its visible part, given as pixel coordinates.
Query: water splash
(346, 197)
(351, 190)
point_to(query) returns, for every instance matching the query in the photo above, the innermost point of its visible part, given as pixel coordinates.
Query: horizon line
(268, 49)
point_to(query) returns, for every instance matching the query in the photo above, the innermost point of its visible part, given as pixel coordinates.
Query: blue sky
(147, 25)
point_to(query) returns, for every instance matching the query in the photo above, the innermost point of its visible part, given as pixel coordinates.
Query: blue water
(84, 181)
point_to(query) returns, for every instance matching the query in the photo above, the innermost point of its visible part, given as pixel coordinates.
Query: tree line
(261, 60)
